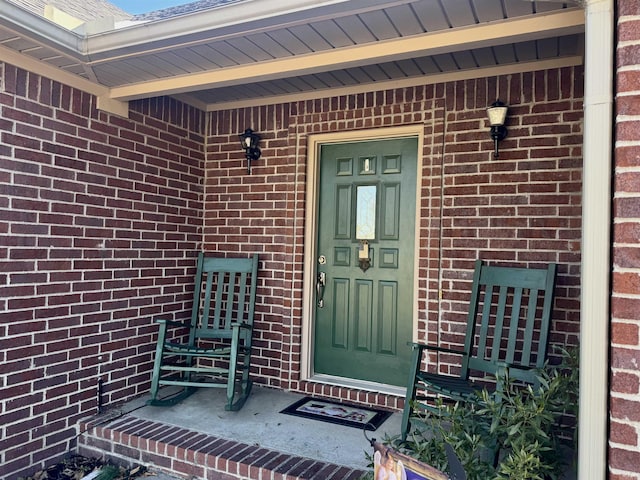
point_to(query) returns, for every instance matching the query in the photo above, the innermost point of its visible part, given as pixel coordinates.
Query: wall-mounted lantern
(249, 141)
(497, 114)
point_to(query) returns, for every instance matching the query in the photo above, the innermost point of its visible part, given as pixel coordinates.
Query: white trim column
(596, 241)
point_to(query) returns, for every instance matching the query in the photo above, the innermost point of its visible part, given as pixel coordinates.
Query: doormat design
(339, 413)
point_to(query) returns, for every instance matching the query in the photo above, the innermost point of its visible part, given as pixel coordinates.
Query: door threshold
(358, 384)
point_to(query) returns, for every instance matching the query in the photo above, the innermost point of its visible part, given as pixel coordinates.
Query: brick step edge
(188, 454)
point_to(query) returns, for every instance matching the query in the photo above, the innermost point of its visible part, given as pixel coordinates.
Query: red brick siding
(101, 216)
(624, 445)
(522, 209)
(100, 219)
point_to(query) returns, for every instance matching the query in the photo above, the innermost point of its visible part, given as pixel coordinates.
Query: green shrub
(516, 431)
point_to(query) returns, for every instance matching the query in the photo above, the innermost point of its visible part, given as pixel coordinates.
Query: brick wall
(521, 209)
(100, 219)
(624, 444)
(101, 216)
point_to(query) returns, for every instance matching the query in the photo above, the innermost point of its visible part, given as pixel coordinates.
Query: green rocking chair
(217, 350)
(507, 331)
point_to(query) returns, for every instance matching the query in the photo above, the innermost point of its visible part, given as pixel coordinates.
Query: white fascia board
(39, 28)
(239, 18)
(565, 22)
(141, 37)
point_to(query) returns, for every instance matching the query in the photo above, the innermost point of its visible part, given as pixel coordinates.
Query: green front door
(365, 265)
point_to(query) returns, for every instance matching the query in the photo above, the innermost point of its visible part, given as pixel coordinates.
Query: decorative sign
(390, 464)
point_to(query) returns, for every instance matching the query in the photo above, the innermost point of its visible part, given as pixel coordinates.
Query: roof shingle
(85, 10)
(182, 9)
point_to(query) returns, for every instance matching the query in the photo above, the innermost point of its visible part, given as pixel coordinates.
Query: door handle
(321, 282)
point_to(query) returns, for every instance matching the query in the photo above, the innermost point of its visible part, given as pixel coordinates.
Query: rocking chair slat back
(227, 288)
(509, 320)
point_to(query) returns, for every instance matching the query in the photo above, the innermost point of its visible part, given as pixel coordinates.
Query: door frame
(314, 143)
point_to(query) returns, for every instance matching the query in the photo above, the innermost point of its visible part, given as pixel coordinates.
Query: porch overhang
(222, 57)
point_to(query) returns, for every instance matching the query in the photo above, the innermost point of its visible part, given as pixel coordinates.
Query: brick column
(624, 445)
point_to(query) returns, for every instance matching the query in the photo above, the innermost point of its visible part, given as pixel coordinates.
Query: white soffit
(283, 50)
(460, 39)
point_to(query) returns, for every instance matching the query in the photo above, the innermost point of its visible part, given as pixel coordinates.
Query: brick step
(189, 454)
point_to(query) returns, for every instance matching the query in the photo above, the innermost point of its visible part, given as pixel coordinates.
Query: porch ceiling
(252, 52)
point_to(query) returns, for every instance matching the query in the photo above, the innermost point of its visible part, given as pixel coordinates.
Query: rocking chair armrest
(172, 323)
(506, 366)
(244, 325)
(503, 364)
(434, 348)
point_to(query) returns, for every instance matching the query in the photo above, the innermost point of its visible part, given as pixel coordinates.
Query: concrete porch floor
(197, 438)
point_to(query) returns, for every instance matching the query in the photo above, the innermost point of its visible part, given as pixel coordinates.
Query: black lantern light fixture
(497, 114)
(249, 141)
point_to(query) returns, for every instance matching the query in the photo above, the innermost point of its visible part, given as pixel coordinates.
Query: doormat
(339, 413)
